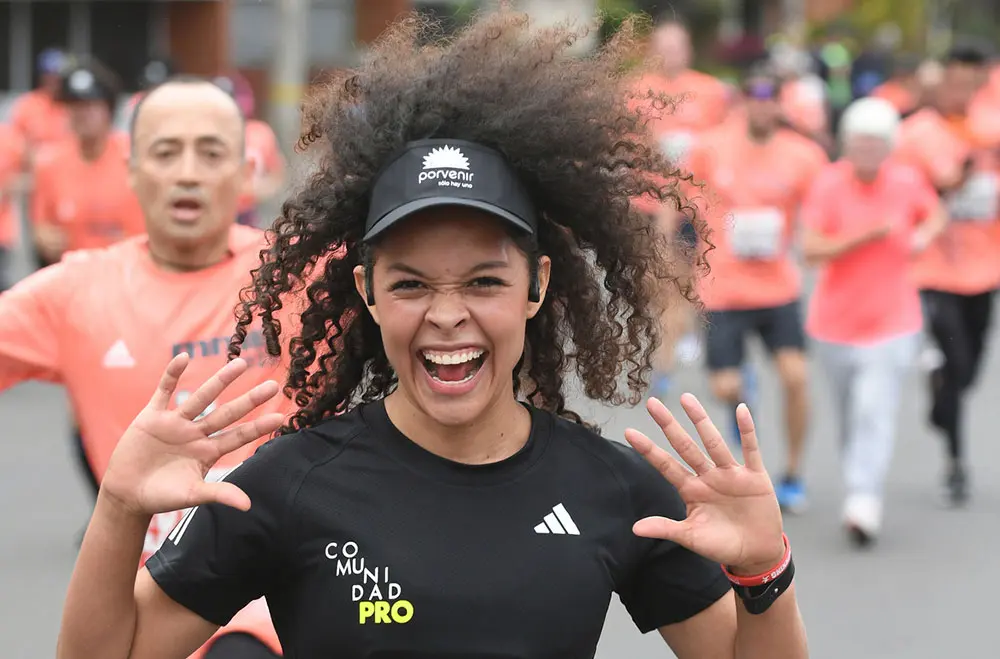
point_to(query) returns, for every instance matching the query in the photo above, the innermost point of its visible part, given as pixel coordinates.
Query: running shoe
(957, 485)
(750, 384)
(659, 385)
(749, 376)
(792, 495)
(863, 518)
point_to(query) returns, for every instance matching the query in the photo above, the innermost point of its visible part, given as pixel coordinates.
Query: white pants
(866, 383)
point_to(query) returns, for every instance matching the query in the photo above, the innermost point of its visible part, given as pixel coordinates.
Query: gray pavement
(927, 590)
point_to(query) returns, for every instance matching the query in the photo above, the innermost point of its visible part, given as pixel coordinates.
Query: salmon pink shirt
(867, 295)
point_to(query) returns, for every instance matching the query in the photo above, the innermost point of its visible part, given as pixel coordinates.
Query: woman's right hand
(160, 463)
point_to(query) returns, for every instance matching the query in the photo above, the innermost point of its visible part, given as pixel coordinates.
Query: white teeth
(453, 382)
(447, 358)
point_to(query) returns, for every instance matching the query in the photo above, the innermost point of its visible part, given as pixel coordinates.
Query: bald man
(105, 322)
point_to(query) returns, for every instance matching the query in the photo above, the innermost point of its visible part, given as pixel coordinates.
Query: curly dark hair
(573, 131)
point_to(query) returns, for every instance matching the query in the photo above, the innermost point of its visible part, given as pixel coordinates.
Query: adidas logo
(448, 166)
(118, 356)
(558, 522)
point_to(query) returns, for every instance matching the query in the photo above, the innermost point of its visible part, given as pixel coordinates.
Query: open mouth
(186, 209)
(453, 367)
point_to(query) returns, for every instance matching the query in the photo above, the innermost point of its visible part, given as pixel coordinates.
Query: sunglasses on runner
(761, 90)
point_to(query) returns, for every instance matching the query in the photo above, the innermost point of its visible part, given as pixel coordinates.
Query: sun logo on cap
(446, 157)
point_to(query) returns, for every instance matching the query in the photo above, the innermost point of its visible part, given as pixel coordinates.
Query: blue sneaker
(792, 496)
(659, 385)
(750, 384)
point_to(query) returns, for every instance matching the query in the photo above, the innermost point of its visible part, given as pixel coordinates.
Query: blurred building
(202, 36)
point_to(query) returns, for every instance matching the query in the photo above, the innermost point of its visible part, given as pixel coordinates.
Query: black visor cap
(442, 172)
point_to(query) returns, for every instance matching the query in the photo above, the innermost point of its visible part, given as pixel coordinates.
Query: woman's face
(451, 300)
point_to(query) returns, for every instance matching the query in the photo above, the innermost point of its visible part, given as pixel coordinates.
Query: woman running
(435, 496)
(862, 220)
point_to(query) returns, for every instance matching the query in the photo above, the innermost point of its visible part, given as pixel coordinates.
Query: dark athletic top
(367, 545)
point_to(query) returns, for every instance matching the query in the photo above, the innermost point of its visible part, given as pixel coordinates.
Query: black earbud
(367, 262)
(534, 285)
(369, 287)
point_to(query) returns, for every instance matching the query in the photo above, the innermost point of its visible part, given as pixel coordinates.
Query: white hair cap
(870, 116)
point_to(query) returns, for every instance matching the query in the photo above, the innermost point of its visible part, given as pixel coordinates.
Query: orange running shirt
(965, 259)
(91, 201)
(11, 157)
(39, 119)
(750, 201)
(898, 95)
(104, 323)
(701, 103)
(261, 150)
(867, 295)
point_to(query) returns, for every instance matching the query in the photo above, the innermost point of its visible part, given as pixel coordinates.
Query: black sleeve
(665, 583)
(219, 559)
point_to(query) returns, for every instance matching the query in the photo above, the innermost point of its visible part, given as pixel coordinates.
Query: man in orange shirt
(755, 179)
(38, 116)
(699, 102)
(158, 295)
(11, 157)
(960, 271)
(81, 195)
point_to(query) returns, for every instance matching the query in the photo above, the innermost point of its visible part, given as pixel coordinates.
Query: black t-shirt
(366, 545)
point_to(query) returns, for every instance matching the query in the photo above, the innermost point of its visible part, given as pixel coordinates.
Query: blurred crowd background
(843, 48)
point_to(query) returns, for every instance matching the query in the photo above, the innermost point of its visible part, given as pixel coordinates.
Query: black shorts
(780, 328)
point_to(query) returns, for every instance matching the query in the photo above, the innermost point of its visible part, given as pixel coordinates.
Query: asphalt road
(926, 591)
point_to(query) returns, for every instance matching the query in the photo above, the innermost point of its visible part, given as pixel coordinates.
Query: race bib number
(757, 233)
(977, 200)
(676, 145)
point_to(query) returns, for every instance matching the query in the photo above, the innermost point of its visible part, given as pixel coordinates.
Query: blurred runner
(903, 89)
(155, 73)
(701, 104)
(263, 152)
(82, 197)
(755, 180)
(959, 272)
(874, 64)
(803, 94)
(701, 99)
(39, 116)
(105, 322)
(862, 220)
(11, 158)
(835, 68)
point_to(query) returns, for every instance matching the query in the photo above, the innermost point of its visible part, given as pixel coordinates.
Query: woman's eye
(406, 285)
(486, 282)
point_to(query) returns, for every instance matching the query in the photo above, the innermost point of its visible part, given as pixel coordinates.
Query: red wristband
(765, 577)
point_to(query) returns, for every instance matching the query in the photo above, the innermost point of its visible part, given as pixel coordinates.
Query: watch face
(758, 599)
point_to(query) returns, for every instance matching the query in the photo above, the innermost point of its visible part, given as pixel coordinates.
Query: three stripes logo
(182, 526)
(558, 522)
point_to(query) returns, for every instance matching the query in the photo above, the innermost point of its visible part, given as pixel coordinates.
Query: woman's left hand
(732, 512)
